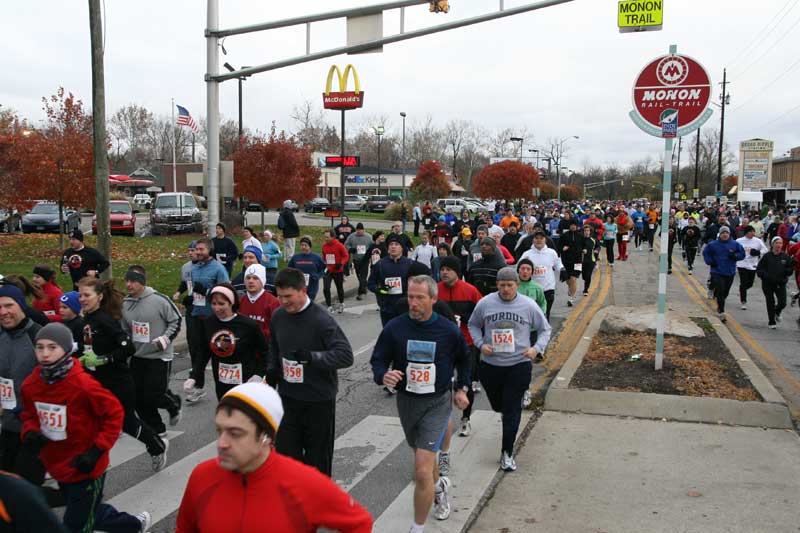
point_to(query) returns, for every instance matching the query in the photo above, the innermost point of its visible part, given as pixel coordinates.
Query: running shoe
(175, 418)
(586, 293)
(331, 309)
(526, 399)
(722, 317)
(744, 306)
(710, 293)
(466, 428)
(146, 521)
(160, 460)
(195, 395)
(778, 317)
(441, 502)
(773, 326)
(444, 463)
(569, 302)
(476, 387)
(359, 298)
(340, 309)
(669, 271)
(189, 384)
(507, 462)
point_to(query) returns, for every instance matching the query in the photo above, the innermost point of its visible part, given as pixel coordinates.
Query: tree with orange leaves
(506, 180)
(570, 192)
(268, 170)
(430, 182)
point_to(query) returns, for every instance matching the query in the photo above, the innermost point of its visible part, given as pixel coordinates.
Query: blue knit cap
(255, 250)
(10, 291)
(70, 299)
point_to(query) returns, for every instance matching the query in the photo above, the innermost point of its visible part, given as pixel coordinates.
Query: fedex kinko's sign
(343, 99)
(670, 96)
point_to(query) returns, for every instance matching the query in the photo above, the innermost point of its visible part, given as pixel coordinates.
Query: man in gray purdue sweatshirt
(153, 322)
(357, 245)
(500, 326)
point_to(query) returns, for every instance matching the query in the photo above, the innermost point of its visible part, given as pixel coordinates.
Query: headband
(225, 291)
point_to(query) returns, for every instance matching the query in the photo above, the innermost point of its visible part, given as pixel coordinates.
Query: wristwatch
(465, 388)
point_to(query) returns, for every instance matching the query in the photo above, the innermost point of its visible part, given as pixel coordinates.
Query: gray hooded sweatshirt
(148, 317)
(17, 361)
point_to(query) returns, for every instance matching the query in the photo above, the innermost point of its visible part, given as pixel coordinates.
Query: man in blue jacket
(388, 278)
(721, 255)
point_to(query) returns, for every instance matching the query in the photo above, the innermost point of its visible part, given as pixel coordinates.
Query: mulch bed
(692, 366)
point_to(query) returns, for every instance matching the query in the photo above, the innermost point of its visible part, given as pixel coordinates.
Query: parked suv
(175, 212)
(377, 203)
(317, 204)
(142, 200)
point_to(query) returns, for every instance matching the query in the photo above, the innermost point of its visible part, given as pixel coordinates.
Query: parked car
(316, 205)
(10, 220)
(377, 204)
(123, 218)
(354, 202)
(175, 212)
(142, 200)
(457, 204)
(43, 218)
(254, 207)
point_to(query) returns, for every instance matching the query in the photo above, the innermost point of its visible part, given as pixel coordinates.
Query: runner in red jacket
(43, 277)
(257, 303)
(335, 256)
(72, 421)
(251, 487)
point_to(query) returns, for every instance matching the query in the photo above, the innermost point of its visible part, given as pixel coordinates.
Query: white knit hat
(257, 270)
(257, 400)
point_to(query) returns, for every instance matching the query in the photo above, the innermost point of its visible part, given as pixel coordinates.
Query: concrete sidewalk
(594, 473)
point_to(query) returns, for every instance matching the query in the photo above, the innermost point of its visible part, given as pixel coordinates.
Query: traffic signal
(439, 6)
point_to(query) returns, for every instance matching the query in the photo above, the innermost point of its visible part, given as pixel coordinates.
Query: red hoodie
(335, 256)
(49, 305)
(261, 310)
(75, 413)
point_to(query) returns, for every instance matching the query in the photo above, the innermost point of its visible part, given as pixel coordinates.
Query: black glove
(732, 256)
(34, 442)
(755, 253)
(302, 356)
(87, 461)
(713, 264)
(563, 275)
(200, 289)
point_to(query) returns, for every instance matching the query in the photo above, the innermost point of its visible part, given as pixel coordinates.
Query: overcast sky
(558, 71)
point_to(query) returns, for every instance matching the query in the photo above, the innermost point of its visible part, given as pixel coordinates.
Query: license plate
(39, 228)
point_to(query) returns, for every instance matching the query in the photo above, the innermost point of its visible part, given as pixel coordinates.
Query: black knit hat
(418, 269)
(44, 271)
(451, 262)
(76, 234)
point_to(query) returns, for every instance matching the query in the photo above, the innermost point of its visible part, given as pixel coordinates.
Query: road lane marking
(127, 448)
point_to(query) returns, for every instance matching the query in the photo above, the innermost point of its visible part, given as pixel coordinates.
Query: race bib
(198, 300)
(503, 340)
(539, 270)
(49, 313)
(52, 420)
(292, 371)
(427, 221)
(395, 285)
(141, 331)
(464, 251)
(307, 277)
(7, 398)
(361, 249)
(230, 374)
(652, 226)
(625, 237)
(221, 257)
(477, 257)
(330, 259)
(421, 378)
(578, 267)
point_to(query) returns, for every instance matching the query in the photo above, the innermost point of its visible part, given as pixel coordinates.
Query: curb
(771, 413)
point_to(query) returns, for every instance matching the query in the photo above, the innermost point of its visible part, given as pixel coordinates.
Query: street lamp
(405, 195)
(379, 132)
(241, 79)
(519, 140)
(558, 162)
(533, 150)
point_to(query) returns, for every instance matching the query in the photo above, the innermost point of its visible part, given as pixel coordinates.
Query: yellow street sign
(640, 15)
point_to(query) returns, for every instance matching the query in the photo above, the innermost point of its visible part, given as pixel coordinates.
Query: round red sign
(671, 93)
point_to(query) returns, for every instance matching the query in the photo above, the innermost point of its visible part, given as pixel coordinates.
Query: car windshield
(45, 209)
(380, 198)
(121, 207)
(172, 201)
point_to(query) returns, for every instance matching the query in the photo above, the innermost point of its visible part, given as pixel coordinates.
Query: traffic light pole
(342, 177)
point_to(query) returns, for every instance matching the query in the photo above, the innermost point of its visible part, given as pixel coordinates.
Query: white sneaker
(160, 460)
(743, 307)
(466, 428)
(331, 309)
(476, 387)
(340, 309)
(778, 318)
(441, 501)
(569, 302)
(146, 521)
(444, 463)
(195, 395)
(722, 317)
(773, 326)
(526, 399)
(507, 462)
(189, 384)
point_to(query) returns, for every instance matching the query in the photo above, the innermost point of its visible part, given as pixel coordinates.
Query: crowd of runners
(465, 310)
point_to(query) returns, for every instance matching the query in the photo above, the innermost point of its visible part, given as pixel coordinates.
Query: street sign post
(638, 15)
(670, 98)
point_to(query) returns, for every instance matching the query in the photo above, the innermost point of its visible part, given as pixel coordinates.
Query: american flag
(185, 119)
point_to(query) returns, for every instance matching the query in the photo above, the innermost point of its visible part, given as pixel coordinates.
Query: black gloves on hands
(755, 253)
(563, 275)
(34, 442)
(87, 461)
(732, 256)
(200, 289)
(302, 356)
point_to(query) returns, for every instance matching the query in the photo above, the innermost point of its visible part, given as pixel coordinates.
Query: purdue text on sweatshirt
(311, 329)
(148, 317)
(506, 327)
(436, 343)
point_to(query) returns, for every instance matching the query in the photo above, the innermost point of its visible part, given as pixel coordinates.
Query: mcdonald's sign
(343, 99)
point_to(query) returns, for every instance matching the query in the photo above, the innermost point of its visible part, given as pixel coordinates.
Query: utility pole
(725, 98)
(99, 134)
(696, 163)
(678, 174)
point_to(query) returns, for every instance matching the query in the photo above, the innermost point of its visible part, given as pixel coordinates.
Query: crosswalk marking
(126, 448)
(363, 447)
(474, 462)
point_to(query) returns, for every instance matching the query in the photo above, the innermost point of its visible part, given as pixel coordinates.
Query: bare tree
(425, 142)
(129, 130)
(313, 130)
(456, 132)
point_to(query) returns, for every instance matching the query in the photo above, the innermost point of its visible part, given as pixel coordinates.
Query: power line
(756, 37)
(767, 86)
(791, 28)
(776, 119)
